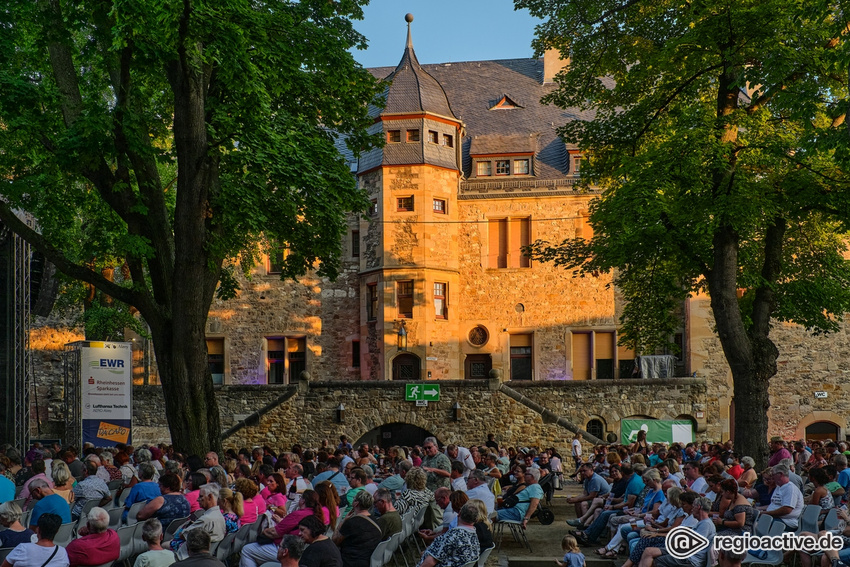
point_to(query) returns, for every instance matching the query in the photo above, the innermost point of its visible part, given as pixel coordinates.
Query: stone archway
(396, 433)
(839, 422)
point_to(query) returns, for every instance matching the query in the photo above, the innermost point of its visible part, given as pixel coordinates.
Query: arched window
(596, 428)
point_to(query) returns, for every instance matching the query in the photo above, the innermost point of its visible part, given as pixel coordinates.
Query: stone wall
(309, 417)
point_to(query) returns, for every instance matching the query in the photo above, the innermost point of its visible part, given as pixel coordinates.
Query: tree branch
(57, 258)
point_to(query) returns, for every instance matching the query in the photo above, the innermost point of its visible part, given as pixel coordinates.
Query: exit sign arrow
(431, 393)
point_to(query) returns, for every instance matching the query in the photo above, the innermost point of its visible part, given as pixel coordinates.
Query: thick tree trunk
(191, 408)
(751, 356)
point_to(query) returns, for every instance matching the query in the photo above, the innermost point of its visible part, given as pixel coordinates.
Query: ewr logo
(682, 542)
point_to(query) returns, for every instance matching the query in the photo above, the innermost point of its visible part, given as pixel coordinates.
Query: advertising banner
(657, 430)
(106, 370)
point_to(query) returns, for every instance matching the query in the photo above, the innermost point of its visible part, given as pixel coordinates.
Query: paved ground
(545, 540)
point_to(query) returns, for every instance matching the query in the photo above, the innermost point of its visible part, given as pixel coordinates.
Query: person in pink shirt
(38, 467)
(253, 504)
(97, 544)
(193, 486)
(778, 452)
(275, 494)
(255, 554)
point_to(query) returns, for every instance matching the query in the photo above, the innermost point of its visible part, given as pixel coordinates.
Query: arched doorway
(477, 366)
(389, 434)
(406, 367)
(821, 430)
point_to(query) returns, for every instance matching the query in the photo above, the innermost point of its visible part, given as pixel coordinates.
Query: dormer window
(433, 137)
(448, 141)
(505, 103)
(576, 165)
(520, 167)
(503, 167)
(394, 136)
(485, 169)
(413, 135)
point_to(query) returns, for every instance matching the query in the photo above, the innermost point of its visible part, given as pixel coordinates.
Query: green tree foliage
(719, 141)
(172, 136)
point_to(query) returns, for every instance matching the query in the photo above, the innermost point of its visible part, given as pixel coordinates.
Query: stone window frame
(522, 355)
(355, 353)
(355, 243)
(440, 206)
(493, 163)
(405, 302)
(284, 356)
(372, 302)
(373, 208)
(504, 235)
(223, 361)
(393, 136)
(441, 313)
(405, 204)
(274, 264)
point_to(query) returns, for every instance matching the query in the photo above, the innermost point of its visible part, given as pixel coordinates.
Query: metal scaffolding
(17, 367)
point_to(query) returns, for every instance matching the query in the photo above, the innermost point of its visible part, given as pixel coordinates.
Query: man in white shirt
(693, 481)
(477, 488)
(787, 501)
(576, 451)
(463, 455)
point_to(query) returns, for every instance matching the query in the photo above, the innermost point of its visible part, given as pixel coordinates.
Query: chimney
(553, 64)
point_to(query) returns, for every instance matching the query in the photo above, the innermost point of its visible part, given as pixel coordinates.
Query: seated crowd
(635, 494)
(326, 506)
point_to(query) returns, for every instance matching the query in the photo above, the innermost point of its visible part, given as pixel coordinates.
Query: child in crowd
(573, 557)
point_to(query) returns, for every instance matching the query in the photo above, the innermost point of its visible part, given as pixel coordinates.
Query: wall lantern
(402, 338)
(340, 413)
(456, 412)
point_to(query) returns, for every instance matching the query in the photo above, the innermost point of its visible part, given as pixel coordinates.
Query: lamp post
(402, 338)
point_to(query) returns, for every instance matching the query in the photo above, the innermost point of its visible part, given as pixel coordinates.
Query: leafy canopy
(88, 145)
(712, 119)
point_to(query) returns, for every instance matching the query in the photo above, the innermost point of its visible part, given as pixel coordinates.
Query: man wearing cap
(777, 451)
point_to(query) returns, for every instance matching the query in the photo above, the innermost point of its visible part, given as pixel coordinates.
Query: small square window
(520, 167)
(394, 136)
(440, 206)
(485, 169)
(576, 165)
(503, 167)
(433, 137)
(448, 141)
(413, 135)
(405, 203)
(373, 208)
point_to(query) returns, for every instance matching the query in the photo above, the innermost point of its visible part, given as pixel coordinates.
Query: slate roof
(502, 144)
(472, 87)
(414, 90)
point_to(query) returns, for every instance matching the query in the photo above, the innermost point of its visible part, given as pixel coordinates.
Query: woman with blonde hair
(63, 482)
(232, 508)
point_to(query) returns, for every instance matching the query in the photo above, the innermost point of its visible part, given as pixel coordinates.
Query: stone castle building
(434, 287)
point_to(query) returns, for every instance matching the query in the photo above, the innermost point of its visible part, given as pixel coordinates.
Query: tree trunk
(191, 408)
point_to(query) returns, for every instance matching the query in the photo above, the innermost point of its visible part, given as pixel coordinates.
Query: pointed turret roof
(412, 89)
